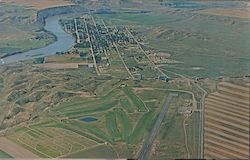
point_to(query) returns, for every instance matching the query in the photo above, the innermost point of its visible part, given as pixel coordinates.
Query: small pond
(88, 119)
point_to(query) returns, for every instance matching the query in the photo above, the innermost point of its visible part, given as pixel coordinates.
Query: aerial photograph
(125, 79)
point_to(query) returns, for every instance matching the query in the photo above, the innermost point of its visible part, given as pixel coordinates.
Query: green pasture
(4, 155)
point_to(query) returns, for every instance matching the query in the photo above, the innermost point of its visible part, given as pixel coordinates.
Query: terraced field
(227, 122)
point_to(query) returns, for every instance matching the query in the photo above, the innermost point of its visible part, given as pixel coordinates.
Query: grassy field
(136, 100)
(141, 126)
(111, 125)
(170, 139)
(126, 126)
(96, 152)
(4, 155)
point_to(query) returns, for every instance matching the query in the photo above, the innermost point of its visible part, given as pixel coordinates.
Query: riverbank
(49, 19)
(54, 39)
(64, 42)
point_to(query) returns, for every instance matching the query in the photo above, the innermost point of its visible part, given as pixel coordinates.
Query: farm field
(227, 122)
(9, 149)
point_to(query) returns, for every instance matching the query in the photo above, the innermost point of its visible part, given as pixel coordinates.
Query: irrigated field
(227, 122)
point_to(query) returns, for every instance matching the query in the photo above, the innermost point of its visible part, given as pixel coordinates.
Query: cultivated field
(14, 149)
(227, 122)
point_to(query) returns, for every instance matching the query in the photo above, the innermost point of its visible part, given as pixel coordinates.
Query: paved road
(147, 145)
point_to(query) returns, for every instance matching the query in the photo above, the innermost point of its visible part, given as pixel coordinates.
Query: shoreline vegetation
(20, 52)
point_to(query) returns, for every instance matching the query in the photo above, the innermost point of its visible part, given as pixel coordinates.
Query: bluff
(45, 13)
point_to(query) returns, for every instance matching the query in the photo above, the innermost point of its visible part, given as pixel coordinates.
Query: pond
(88, 119)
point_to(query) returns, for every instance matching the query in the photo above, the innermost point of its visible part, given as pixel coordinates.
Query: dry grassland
(60, 65)
(40, 4)
(237, 13)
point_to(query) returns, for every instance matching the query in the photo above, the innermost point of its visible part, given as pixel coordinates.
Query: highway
(147, 145)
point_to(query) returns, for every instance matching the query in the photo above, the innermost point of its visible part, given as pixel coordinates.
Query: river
(64, 42)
